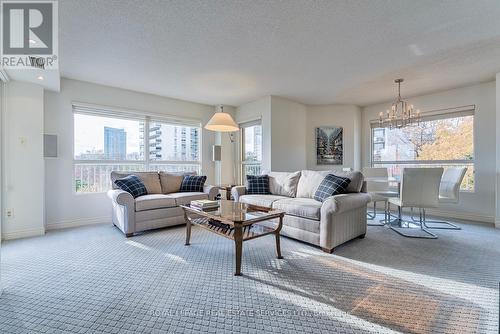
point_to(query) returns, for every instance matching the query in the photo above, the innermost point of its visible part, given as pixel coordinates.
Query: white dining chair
(419, 189)
(449, 193)
(378, 187)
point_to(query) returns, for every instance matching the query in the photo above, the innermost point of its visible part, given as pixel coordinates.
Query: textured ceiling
(314, 52)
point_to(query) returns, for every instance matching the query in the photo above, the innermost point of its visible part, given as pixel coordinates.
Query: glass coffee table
(236, 221)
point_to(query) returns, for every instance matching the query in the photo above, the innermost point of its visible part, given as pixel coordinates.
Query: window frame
(243, 161)
(147, 119)
(447, 113)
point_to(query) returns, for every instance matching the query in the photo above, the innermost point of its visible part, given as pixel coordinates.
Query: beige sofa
(326, 224)
(159, 208)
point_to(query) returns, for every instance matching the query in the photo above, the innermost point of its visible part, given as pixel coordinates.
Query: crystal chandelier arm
(401, 113)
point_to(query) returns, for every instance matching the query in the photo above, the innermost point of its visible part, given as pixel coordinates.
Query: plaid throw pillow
(331, 185)
(133, 185)
(192, 183)
(258, 185)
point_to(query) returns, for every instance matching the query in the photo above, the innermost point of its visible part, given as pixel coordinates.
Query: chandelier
(401, 113)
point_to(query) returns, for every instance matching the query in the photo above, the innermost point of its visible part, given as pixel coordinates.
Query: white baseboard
(474, 217)
(462, 215)
(26, 233)
(78, 222)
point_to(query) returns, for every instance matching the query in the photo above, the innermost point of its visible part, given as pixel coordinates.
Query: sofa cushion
(132, 184)
(283, 183)
(310, 180)
(261, 200)
(151, 180)
(258, 185)
(300, 207)
(301, 224)
(152, 217)
(171, 182)
(330, 186)
(187, 197)
(154, 201)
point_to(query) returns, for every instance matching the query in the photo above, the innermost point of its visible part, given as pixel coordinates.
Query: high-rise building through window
(115, 143)
(169, 142)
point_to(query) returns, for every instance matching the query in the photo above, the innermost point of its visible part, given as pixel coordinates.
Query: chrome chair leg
(373, 216)
(386, 219)
(389, 215)
(447, 225)
(399, 230)
(411, 215)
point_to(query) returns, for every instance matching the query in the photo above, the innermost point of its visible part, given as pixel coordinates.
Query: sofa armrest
(238, 191)
(344, 202)
(121, 197)
(123, 213)
(212, 191)
(343, 217)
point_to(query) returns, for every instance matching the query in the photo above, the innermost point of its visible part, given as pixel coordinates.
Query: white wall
(22, 160)
(497, 199)
(2, 102)
(63, 206)
(283, 131)
(288, 128)
(346, 116)
(258, 109)
(479, 205)
(288, 135)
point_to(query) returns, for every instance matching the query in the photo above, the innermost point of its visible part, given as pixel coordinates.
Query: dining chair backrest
(420, 187)
(378, 173)
(449, 188)
(381, 172)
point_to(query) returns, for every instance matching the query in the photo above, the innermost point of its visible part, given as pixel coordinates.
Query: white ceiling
(314, 52)
(51, 77)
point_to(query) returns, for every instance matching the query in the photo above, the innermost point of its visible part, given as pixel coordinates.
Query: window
(439, 140)
(173, 147)
(107, 140)
(251, 149)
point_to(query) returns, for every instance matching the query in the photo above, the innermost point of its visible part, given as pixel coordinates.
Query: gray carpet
(94, 280)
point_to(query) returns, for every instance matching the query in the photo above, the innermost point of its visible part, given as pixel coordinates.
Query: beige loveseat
(326, 224)
(159, 208)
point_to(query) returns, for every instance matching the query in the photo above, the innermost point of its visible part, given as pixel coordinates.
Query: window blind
(107, 111)
(251, 123)
(433, 115)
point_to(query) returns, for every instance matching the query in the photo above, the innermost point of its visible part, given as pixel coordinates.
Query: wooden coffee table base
(242, 231)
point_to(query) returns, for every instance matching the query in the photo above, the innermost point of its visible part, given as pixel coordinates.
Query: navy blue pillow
(258, 185)
(133, 185)
(331, 185)
(193, 183)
